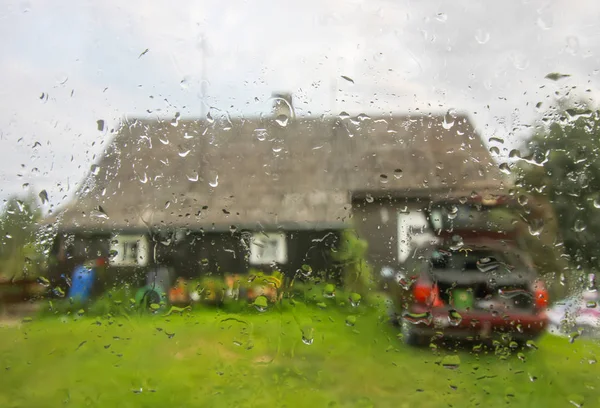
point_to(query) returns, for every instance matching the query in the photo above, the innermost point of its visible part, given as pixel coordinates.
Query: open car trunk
(482, 279)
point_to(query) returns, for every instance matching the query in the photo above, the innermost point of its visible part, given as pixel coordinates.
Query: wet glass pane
(337, 204)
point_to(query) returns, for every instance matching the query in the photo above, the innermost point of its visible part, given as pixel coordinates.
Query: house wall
(193, 254)
(394, 228)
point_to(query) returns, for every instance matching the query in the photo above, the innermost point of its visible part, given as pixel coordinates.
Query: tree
(564, 168)
(18, 225)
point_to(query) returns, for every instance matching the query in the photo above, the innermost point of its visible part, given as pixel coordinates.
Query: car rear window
(483, 260)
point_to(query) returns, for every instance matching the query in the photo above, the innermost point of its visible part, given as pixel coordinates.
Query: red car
(475, 292)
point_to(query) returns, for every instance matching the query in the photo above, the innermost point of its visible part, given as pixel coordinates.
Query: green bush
(352, 256)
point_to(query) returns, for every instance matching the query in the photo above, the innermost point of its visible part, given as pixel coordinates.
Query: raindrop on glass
(452, 212)
(579, 226)
(454, 318)
(504, 168)
(261, 134)
(43, 196)
(282, 120)
(482, 36)
(99, 212)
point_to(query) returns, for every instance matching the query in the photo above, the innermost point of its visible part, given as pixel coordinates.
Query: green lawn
(211, 359)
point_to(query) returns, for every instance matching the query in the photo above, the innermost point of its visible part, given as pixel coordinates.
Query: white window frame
(119, 245)
(413, 233)
(267, 248)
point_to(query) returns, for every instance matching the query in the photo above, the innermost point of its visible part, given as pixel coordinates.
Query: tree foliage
(564, 168)
(18, 249)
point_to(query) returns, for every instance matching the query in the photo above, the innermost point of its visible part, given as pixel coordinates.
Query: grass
(209, 358)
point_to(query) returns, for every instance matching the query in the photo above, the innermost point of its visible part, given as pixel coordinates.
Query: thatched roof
(260, 171)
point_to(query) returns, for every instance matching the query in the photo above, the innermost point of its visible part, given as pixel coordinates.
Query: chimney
(282, 105)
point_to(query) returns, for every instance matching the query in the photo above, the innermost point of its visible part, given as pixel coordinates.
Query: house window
(129, 250)
(267, 248)
(412, 234)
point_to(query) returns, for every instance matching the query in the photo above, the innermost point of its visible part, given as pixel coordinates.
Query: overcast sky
(66, 64)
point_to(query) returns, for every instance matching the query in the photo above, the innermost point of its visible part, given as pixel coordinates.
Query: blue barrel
(82, 282)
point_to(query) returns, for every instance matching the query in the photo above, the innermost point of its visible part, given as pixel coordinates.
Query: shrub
(357, 273)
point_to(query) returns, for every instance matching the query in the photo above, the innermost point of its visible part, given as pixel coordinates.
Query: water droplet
(261, 303)
(193, 177)
(572, 45)
(482, 36)
(418, 318)
(209, 118)
(545, 20)
(398, 173)
(504, 168)
(448, 122)
(562, 279)
(282, 120)
(362, 117)
(451, 362)
(354, 299)
(457, 243)
(591, 285)
(494, 150)
(520, 61)
(58, 292)
(214, 183)
(441, 17)
(143, 179)
(369, 198)
(100, 125)
(514, 153)
(535, 229)
(43, 281)
(261, 134)
(573, 336)
(512, 293)
(308, 335)
(175, 121)
(523, 200)
(531, 344)
(94, 169)
(350, 320)
(347, 78)
(184, 153)
(99, 212)
(579, 226)
(454, 318)
(406, 283)
(163, 139)
(452, 212)
(43, 196)
(383, 178)
(329, 291)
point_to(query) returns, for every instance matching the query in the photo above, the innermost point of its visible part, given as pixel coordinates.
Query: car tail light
(427, 293)
(541, 294)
